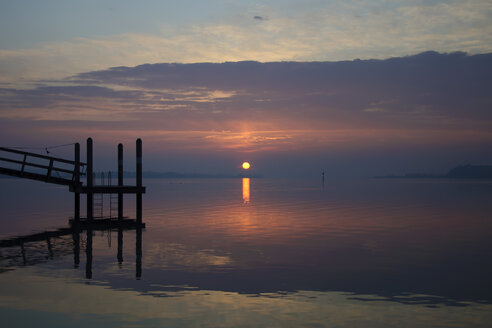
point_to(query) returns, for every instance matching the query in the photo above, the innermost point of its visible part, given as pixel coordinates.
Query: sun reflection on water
(245, 190)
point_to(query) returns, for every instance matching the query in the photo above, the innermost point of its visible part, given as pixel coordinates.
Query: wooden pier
(73, 170)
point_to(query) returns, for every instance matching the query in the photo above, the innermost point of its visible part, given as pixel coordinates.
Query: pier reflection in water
(119, 256)
(41, 247)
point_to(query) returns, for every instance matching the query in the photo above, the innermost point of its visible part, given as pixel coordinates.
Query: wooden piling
(138, 238)
(76, 180)
(139, 181)
(90, 181)
(120, 181)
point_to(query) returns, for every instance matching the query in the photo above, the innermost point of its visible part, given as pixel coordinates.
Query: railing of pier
(34, 166)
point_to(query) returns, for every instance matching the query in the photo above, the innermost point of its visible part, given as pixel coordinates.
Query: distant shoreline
(477, 172)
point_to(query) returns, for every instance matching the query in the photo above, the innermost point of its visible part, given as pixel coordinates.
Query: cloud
(421, 102)
(430, 89)
(449, 85)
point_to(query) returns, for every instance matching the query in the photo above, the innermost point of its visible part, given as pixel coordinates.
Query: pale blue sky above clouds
(53, 39)
(25, 23)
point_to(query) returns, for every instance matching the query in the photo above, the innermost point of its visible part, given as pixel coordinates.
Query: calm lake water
(255, 253)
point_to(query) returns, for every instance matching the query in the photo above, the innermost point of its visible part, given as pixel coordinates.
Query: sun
(246, 165)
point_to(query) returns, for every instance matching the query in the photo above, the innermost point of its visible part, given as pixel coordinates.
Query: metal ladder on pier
(113, 200)
(99, 198)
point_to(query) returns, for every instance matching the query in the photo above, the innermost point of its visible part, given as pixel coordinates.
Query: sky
(352, 88)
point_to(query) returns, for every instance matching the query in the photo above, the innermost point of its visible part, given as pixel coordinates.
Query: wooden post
(76, 216)
(138, 238)
(139, 181)
(90, 182)
(76, 179)
(90, 210)
(120, 181)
